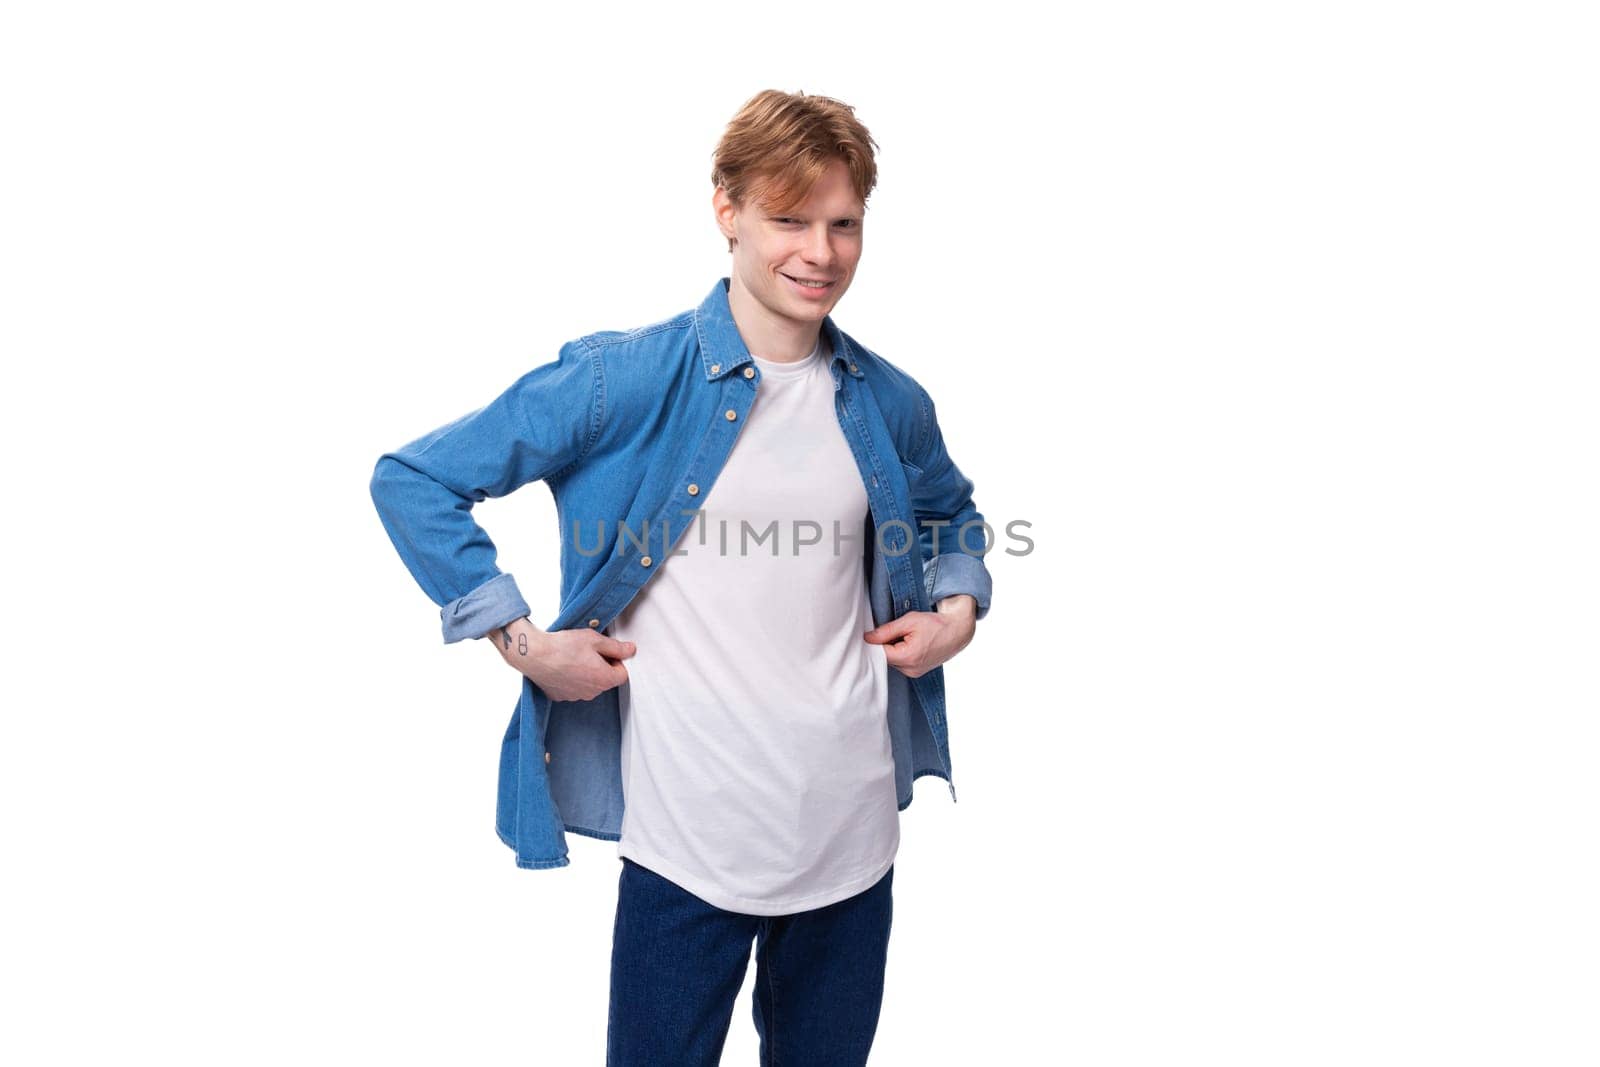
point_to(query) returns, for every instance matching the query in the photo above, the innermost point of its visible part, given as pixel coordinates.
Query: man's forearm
(963, 604)
(518, 637)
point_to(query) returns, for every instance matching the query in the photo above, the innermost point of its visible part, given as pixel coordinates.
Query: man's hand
(919, 641)
(566, 664)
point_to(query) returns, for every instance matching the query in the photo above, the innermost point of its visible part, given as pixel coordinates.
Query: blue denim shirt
(630, 429)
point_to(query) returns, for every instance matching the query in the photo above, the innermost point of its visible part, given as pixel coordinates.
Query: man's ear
(724, 210)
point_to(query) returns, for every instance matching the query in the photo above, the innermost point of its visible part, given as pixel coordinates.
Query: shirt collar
(723, 349)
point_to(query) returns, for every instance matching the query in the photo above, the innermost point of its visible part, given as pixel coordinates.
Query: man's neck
(769, 336)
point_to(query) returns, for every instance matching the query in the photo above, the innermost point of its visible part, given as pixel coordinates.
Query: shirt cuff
(950, 573)
(491, 605)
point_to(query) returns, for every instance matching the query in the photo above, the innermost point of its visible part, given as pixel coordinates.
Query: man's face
(776, 253)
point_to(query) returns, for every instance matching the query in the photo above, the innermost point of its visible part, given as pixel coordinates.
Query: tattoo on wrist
(522, 639)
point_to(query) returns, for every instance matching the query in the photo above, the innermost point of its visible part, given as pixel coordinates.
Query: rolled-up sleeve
(954, 573)
(424, 491)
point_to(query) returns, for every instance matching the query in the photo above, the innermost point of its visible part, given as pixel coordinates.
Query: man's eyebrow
(856, 216)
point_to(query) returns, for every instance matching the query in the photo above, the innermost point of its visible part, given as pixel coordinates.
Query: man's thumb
(888, 631)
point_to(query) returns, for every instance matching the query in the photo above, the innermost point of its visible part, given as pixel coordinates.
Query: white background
(1277, 322)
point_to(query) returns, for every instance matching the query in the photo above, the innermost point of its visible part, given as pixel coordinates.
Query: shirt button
(547, 757)
(594, 622)
(749, 372)
(644, 561)
(716, 368)
(694, 490)
(730, 414)
(852, 368)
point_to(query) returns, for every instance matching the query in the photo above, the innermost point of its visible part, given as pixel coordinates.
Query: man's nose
(819, 246)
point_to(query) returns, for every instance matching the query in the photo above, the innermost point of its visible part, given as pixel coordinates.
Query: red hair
(780, 143)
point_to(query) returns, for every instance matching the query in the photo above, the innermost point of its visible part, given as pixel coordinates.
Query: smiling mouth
(808, 283)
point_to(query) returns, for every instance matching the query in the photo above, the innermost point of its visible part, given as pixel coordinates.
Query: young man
(767, 554)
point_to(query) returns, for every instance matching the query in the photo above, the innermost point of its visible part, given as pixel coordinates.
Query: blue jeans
(677, 964)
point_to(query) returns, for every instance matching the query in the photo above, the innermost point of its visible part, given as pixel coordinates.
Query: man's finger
(610, 646)
(900, 657)
(890, 630)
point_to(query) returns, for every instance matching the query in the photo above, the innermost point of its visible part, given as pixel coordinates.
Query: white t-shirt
(756, 766)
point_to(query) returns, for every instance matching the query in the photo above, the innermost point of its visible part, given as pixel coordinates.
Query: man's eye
(849, 224)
